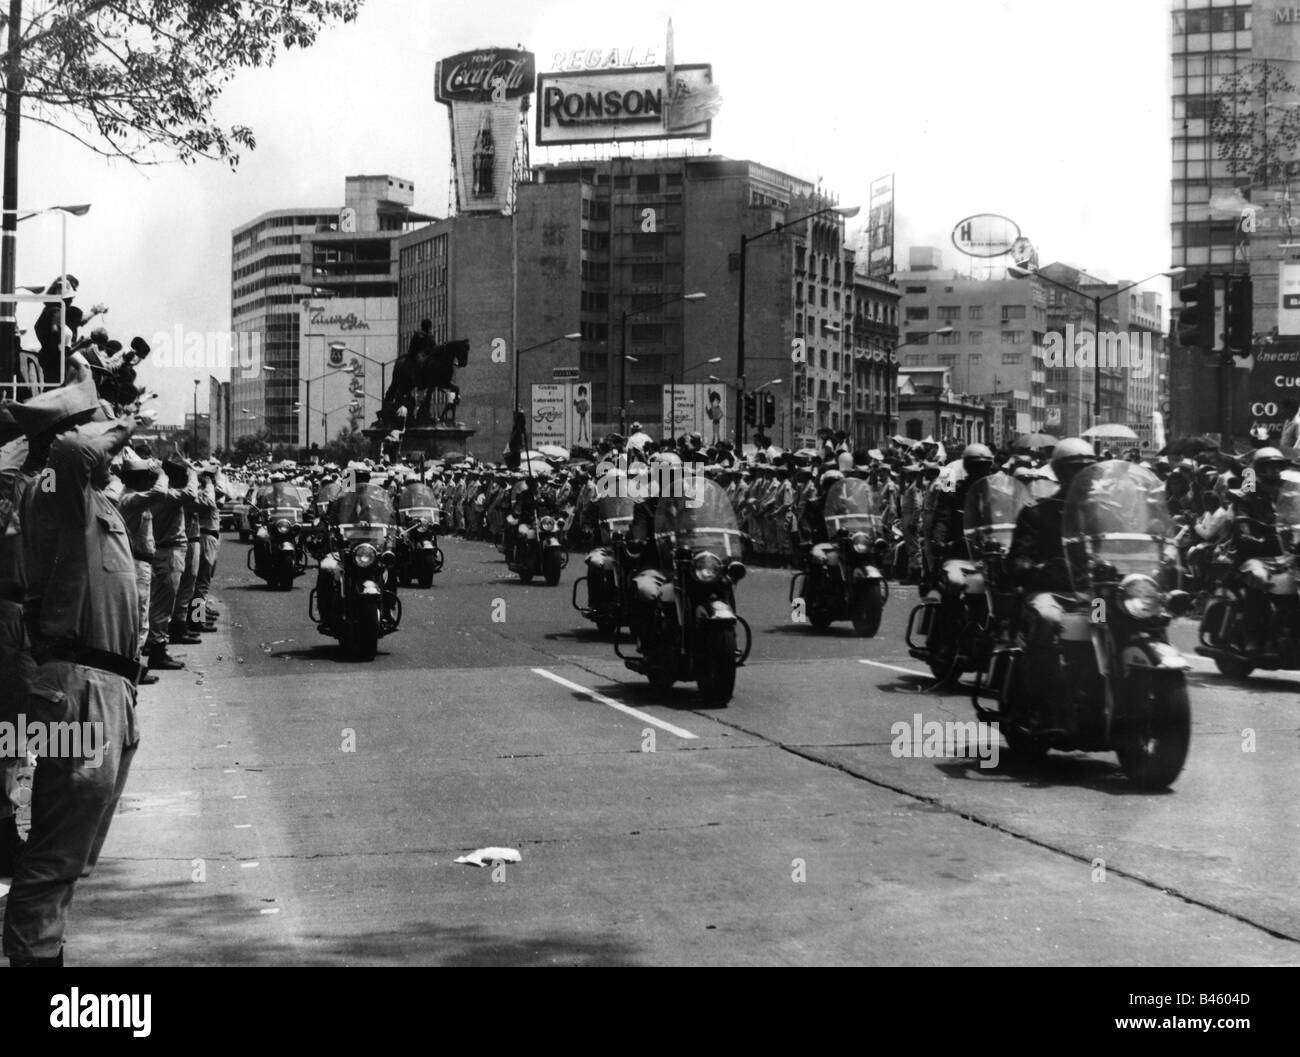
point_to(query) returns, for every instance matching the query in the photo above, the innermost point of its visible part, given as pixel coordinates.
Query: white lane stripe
(602, 699)
(896, 668)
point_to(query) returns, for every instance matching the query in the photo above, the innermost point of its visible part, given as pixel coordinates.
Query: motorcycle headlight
(736, 570)
(1140, 597)
(282, 527)
(548, 524)
(388, 559)
(861, 543)
(707, 567)
(364, 556)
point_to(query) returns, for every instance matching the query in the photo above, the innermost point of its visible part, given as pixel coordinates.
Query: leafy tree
(258, 443)
(138, 78)
(349, 444)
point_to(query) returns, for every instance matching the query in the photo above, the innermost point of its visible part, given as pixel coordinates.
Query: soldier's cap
(61, 408)
(140, 347)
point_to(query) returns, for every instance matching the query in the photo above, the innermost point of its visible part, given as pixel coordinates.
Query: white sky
(1052, 112)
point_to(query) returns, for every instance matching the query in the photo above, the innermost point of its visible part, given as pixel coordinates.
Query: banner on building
(696, 408)
(598, 106)
(880, 229)
(1288, 299)
(485, 92)
(561, 414)
(1274, 390)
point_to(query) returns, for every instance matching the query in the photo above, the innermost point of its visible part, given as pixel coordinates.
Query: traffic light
(1238, 315)
(751, 409)
(769, 409)
(1196, 317)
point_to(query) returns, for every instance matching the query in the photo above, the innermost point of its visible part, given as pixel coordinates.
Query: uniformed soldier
(82, 612)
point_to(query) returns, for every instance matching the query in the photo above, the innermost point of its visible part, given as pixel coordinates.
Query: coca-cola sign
(484, 76)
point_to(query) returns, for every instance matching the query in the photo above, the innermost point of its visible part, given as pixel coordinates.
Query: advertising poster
(880, 229)
(561, 414)
(1288, 299)
(697, 408)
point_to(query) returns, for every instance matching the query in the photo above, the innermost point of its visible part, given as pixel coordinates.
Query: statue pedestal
(431, 440)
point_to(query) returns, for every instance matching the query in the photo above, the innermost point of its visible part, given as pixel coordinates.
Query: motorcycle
(1223, 627)
(843, 580)
(278, 516)
(1124, 685)
(609, 570)
(419, 557)
(951, 630)
(685, 622)
(539, 548)
(355, 600)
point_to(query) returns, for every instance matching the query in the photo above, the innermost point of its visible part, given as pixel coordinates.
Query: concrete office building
(997, 330)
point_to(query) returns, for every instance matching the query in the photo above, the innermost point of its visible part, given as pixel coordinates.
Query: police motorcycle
(683, 613)
(355, 598)
(843, 580)
(1121, 686)
(1223, 636)
(609, 567)
(947, 629)
(278, 517)
(419, 517)
(538, 546)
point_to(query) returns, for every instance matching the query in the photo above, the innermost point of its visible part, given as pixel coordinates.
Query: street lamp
(1023, 273)
(298, 406)
(745, 240)
(622, 382)
(340, 346)
(549, 341)
(195, 452)
(672, 391)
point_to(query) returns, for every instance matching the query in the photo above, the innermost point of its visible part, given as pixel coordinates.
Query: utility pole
(13, 73)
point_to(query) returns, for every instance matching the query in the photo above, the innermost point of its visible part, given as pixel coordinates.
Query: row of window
(1212, 20)
(948, 359)
(1216, 64)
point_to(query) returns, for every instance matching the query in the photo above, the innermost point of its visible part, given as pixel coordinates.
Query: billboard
(880, 229)
(485, 91)
(1288, 299)
(696, 408)
(632, 103)
(986, 235)
(561, 414)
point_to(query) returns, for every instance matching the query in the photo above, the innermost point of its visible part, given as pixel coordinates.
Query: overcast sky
(1052, 112)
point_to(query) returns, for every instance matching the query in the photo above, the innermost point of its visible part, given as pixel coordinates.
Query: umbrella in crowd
(1109, 431)
(1034, 441)
(552, 451)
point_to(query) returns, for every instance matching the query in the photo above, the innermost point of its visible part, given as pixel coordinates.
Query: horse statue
(417, 376)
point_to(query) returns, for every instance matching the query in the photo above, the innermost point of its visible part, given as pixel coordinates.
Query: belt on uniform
(89, 657)
(212, 532)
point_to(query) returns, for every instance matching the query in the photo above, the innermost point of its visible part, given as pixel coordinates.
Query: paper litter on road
(487, 856)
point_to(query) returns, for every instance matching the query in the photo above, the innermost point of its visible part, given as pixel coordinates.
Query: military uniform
(82, 608)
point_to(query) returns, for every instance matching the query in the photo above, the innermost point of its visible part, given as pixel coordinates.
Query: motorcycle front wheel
(365, 632)
(425, 569)
(868, 606)
(716, 665)
(1152, 744)
(552, 563)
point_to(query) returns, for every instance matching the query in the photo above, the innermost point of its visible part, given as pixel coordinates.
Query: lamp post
(1022, 273)
(306, 440)
(549, 341)
(195, 452)
(672, 391)
(745, 240)
(622, 381)
(339, 346)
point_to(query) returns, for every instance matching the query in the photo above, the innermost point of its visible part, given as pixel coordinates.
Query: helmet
(977, 461)
(844, 461)
(1069, 457)
(976, 451)
(1268, 455)
(830, 476)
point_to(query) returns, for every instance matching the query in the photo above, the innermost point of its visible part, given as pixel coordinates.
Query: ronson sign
(597, 106)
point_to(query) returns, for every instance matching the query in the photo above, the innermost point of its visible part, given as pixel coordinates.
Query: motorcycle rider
(1038, 563)
(945, 537)
(1257, 547)
(650, 577)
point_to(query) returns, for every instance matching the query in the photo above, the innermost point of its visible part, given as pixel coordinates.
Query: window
(594, 331)
(975, 312)
(823, 299)
(1013, 357)
(648, 184)
(594, 302)
(599, 209)
(1013, 311)
(949, 313)
(947, 359)
(917, 312)
(648, 273)
(975, 337)
(652, 242)
(950, 339)
(821, 362)
(976, 357)
(914, 290)
(798, 294)
(916, 337)
(1013, 337)
(622, 183)
(646, 333)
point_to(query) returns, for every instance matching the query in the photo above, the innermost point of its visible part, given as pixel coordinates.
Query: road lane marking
(243, 825)
(628, 709)
(248, 865)
(896, 668)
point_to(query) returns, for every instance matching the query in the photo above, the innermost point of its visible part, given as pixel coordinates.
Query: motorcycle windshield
(285, 501)
(852, 505)
(417, 501)
(1287, 510)
(366, 513)
(992, 506)
(1114, 512)
(614, 509)
(703, 520)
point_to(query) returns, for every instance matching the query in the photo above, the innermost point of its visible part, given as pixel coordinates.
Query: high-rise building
(1235, 68)
(285, 257)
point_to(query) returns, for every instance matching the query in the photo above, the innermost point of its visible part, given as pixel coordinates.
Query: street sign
(564, 374)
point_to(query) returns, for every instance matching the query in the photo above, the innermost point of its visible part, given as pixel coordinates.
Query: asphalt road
(290, 806)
